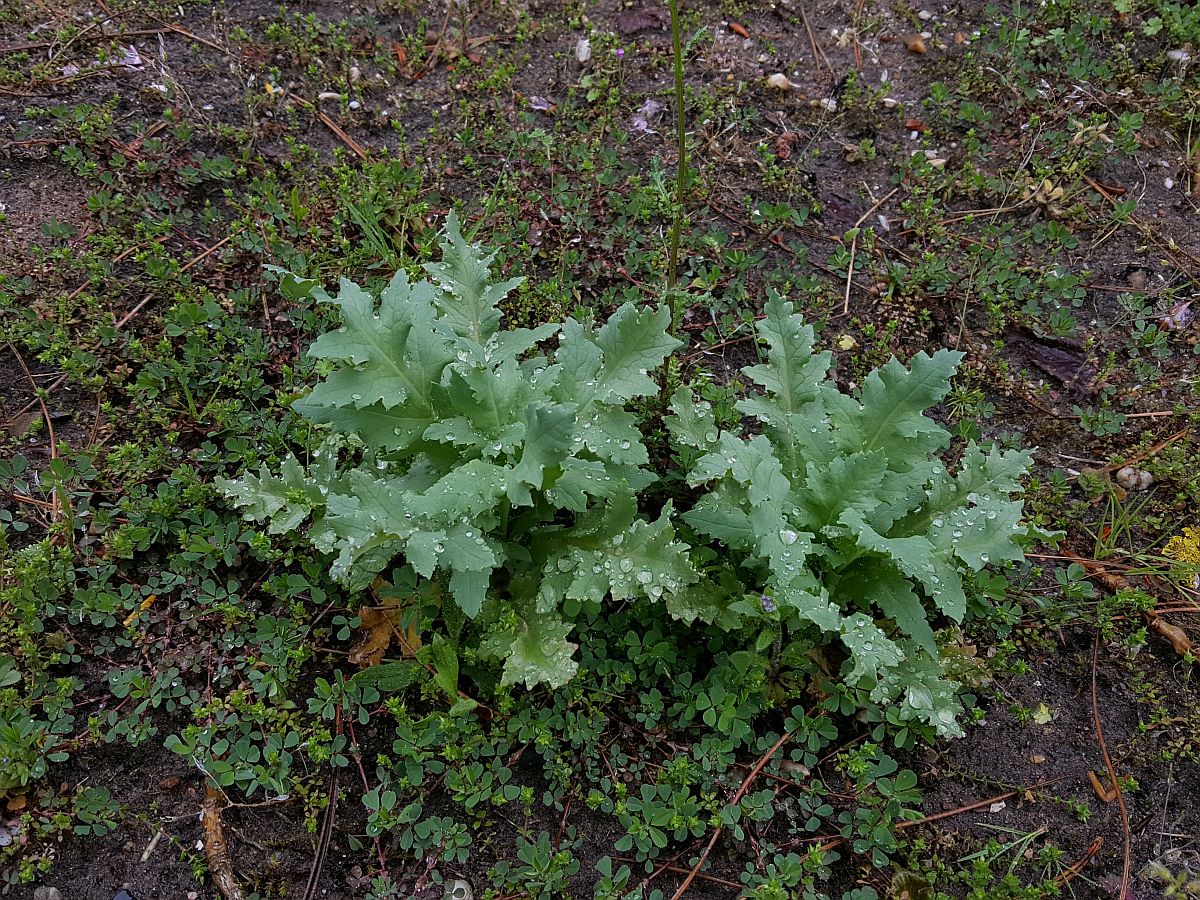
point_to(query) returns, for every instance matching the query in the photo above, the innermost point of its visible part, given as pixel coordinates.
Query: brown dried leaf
(782, 145)
(642, 19)
(914, 43)
(19, 425)
(739, 30)
(1105, 794)
(380, 627)
(916, 125)
(1057, 357)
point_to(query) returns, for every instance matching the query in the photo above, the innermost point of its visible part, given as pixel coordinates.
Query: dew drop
(644, 576)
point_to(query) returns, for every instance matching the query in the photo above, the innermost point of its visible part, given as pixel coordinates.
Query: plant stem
(681, 179)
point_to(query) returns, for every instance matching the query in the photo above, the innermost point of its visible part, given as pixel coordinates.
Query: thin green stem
(681, 179)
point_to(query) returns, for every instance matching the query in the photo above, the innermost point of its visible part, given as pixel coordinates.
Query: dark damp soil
(1038, 742)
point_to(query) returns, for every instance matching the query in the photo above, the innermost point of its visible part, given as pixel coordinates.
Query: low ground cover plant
(512, 482)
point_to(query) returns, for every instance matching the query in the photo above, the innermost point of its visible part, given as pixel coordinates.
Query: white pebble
(1134, 479)
(779, 82)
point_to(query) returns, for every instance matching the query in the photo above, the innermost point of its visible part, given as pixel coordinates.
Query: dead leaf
(914, 43)
(782, 146)
(916, 125)
(19, 425)
(1179, 318)
(142, 607)
(738, 30)
(16, 804)
(642, 19)
(1065, 360)
(379, 629)
(1105, 794)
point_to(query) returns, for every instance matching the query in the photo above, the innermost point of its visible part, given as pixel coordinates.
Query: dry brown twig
(1127, 859)
(741, 791)
(1173, 634)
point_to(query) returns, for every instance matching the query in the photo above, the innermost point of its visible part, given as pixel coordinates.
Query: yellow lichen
(1185, 547)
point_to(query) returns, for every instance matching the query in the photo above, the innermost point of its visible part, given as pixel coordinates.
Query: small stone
(890, 102)
(828, 104)
(583, 50)
(45, 892)
(779, 82)
(1178, 56)
(355, 74)
(1168, 183)
(1134, 479)
(924, 15)
(354, 104)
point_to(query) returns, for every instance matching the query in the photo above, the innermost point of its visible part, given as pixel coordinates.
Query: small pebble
(45, 892)
(1134, 479)
(354, 104)
(779, 82)
(924, 15)
(1168, 183)
(583, 50)
(355, 74)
